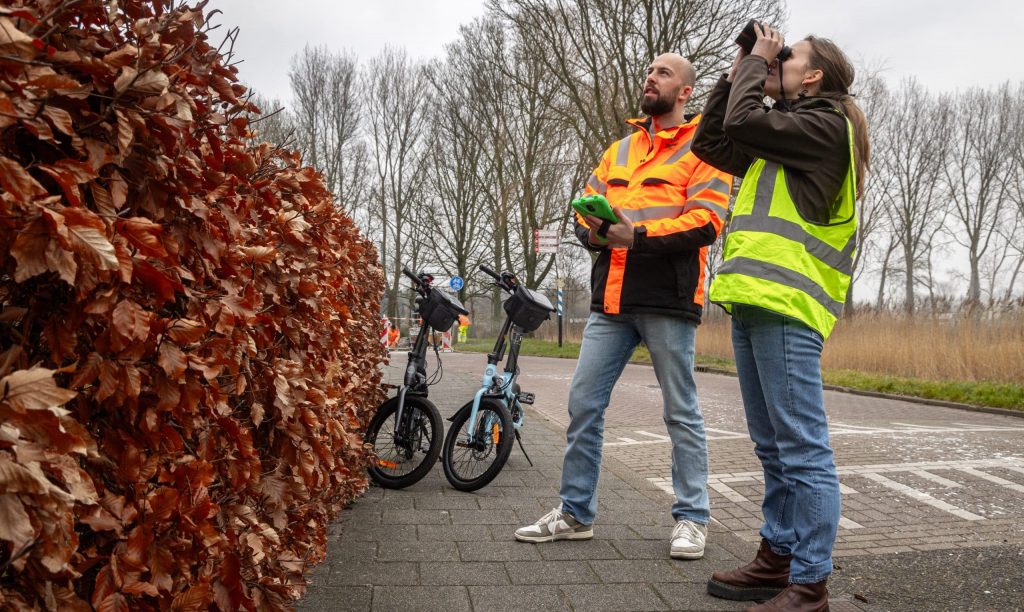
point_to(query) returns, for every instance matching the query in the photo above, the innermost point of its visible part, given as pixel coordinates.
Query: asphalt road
(933, 497)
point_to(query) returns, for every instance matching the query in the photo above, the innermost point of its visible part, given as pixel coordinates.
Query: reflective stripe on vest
(775, 259)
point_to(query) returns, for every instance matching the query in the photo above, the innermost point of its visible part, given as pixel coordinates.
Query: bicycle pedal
(526, 398)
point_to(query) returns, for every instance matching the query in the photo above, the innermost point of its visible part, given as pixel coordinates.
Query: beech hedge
(189, 343)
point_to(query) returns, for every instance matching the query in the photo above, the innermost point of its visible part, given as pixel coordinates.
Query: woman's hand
(768, 44)
(740, 54)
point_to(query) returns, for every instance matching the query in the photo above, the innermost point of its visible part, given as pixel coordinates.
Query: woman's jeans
(779, 365)
(608, 343)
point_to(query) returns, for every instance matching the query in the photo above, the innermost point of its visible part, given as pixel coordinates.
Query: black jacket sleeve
(710, 142)
(798, 139)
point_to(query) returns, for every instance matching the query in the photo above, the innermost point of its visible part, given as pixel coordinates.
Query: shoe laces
(550, 517)
(685, 529)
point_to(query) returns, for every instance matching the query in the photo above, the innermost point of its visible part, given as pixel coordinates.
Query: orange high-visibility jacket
(678, 205)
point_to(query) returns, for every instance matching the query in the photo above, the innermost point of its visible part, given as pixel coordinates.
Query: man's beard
(659, 106)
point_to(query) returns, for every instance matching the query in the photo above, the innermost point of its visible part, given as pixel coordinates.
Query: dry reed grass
(923, 347)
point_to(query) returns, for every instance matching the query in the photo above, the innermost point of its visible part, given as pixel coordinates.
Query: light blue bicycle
(479, 440)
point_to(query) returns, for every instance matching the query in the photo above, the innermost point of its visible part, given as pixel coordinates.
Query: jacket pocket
(685, 272)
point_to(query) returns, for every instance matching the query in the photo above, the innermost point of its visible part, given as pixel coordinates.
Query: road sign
(456, 283)
(545, 241)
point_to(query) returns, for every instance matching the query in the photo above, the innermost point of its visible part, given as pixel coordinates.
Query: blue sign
(456, 283)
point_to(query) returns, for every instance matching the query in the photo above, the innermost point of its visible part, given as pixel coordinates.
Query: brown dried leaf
(16, 181)
(186, 331)
(15, 525)
(172, 360)
(92, 243)
(29, 250)
(33, 389)
(144, 234)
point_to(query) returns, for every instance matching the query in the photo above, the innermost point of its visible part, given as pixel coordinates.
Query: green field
(990, 394)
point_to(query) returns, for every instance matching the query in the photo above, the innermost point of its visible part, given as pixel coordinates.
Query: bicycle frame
(502, 387)
(414, 379)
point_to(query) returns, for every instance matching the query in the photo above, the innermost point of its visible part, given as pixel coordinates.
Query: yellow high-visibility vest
(777, 260)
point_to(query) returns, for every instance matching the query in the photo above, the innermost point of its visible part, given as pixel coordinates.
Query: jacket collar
(805, 103)
(689, 122)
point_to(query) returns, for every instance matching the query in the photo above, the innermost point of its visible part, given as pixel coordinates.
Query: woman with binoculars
(786, 269)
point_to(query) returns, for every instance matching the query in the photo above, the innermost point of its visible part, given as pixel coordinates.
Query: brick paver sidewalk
(430, 547)
(932, 512)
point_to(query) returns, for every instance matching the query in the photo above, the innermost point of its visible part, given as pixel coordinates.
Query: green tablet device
(595, 205)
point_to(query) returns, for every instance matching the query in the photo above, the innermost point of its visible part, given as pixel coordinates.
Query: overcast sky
(946, 45)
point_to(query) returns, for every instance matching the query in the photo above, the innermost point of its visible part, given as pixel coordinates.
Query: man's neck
(668, 120)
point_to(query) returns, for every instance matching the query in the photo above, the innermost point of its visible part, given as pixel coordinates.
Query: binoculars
(748, 37)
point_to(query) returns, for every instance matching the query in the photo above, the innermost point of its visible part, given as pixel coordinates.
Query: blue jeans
(608, 343)
(779, 365)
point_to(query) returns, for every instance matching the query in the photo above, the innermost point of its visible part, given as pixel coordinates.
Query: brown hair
(838, 77)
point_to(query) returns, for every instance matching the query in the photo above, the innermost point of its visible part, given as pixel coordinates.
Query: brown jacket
(807, 137)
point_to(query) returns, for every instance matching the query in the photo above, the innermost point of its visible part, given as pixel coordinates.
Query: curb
(1019, 414)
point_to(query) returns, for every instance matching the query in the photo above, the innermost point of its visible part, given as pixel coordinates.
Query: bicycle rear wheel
(405, 458)
(470, 466)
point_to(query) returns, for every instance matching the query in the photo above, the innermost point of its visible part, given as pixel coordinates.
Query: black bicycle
(406, 430)
(479, 440)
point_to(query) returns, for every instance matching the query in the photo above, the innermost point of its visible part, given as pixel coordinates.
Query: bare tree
(274, 124)
(912, 141)
(398, 99)
(875, 100)
(598, 49)
(459, 166)
(976, 171)
(1013, 233)
(326, 109)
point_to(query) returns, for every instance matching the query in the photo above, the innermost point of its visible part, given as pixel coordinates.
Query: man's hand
(594, 239)
(619, 236)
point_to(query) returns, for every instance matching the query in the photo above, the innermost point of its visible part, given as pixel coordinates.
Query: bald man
(647, 285)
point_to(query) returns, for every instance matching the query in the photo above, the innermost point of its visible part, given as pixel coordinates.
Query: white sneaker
(688, 540)
(555, 525)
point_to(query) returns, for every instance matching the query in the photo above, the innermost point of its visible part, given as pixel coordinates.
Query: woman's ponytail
(838, 78)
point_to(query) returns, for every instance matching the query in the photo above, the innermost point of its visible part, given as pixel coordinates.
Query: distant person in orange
(393, 336)
(463, 327)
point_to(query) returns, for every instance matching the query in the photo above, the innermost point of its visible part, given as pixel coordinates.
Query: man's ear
(685, 91)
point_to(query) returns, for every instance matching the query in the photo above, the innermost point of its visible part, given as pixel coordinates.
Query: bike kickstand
(519, 439)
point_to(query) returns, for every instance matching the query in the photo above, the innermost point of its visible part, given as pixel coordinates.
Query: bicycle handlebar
(505, 280)
(490, 272)
(412, 276)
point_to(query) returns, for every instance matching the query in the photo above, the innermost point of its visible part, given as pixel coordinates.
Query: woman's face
(795, 70)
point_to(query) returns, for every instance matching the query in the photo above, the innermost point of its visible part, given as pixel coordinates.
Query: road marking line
(627, 440)
(726, 432)
(990, 427)
(924, 427)
(838, 429)
(922, 497)
(1009, 484)
(728, 492)
(654, 435)
(845, 490)
(846, 523)
(634, 443)
(934, 478)
(738, 479)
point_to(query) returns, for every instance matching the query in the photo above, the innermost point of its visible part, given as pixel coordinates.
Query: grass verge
(991, 394)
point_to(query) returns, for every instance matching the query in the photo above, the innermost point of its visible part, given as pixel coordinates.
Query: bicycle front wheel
(405, 451)
(470, 465)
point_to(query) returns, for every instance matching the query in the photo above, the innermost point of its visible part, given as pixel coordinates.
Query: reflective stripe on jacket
(776, 259)
(682, 203)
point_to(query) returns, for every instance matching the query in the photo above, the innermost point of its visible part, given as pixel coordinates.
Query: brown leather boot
(797, 598)
(763, 578)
